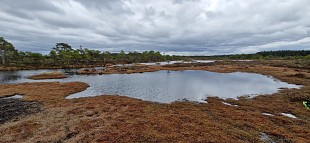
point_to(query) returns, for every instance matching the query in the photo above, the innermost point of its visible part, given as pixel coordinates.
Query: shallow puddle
(289, 115)
(267, 114)
(175, 62)
(266, 138)
(225, 103)
(165, 86)
(14, 97)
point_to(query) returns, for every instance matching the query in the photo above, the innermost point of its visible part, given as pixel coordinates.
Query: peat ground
(122, 119)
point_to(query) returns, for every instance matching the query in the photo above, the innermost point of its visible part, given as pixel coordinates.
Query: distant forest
(269, 55)
(63, 55)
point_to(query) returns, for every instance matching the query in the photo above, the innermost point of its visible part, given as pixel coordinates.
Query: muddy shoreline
(124, 119)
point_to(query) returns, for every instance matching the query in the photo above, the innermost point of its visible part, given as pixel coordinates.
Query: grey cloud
(33, 5)
(115, 7)
(179, 26)
(24, 9)
(181, 1)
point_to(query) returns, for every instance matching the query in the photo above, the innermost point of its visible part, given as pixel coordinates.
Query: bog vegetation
(63, 55)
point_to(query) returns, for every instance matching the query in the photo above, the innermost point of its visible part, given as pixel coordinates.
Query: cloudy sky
(186, 27)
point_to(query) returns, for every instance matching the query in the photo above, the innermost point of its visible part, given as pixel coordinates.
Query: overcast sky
(187, 27)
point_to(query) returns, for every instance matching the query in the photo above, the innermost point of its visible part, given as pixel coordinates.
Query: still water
(164, 86)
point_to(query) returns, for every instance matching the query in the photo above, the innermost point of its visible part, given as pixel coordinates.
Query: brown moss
(50, 75)
(121, 70)
(42, 91)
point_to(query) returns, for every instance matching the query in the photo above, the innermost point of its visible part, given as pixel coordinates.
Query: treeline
(65, 56)
(283, 54)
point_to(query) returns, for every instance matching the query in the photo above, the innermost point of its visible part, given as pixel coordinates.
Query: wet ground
(12, 108)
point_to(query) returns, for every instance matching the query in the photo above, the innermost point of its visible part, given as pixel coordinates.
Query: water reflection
(9, 76)
(167, 86)
(175, 62)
